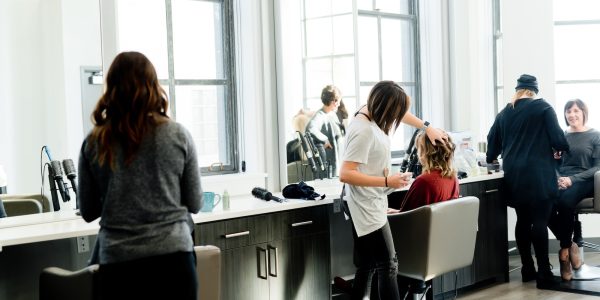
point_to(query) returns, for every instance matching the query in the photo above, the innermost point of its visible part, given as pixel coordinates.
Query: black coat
(526, 135)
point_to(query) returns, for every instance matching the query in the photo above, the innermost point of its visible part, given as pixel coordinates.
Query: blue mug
(209, 201)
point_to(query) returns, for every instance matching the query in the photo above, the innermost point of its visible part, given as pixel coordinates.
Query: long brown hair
(387, 105)
(126, 111)
(436, 157)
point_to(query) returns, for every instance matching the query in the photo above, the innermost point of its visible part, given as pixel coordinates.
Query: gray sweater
(583, 158)
(144, 207)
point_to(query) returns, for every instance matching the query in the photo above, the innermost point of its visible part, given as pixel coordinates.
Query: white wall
(22, 117)
(527, 42)
(43, 44)
(528, 47)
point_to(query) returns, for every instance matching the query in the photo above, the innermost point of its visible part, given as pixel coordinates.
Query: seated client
(438, 181)
(575, 182)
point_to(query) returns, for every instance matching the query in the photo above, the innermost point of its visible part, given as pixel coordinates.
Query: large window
(356, 47)
(577, 55)
(190, 42)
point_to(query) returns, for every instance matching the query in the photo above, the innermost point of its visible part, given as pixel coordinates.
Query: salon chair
(208, 267)
(57, 283)
(590, 205)
(434, 239)
(17, 205)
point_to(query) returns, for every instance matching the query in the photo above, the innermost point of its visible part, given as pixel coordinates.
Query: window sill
(235, 184)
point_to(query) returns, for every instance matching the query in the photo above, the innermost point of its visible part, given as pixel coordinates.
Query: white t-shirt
(369, 146)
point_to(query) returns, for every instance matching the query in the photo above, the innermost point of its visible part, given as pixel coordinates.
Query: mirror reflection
(323, 44)
(49, 53)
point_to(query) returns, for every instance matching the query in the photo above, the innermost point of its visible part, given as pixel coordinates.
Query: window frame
(228, 84)
(412, 16)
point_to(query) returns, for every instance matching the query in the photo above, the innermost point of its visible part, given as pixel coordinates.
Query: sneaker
(566, 273)
(528, 273)
(575, 256)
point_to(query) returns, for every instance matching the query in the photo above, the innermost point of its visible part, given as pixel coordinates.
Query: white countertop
(66, 224)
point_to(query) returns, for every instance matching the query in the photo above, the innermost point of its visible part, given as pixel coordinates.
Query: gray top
(144, 207)
(583, 158)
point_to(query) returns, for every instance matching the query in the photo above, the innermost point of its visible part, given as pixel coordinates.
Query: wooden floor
(515, 289)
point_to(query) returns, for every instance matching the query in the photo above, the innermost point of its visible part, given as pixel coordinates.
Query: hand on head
(436, 134)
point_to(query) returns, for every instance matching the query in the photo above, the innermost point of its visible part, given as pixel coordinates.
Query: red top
(429, 188)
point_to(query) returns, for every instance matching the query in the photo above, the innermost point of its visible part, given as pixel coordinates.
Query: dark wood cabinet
(244, 273)
(283, 255)
(490, 261)
(300, 239)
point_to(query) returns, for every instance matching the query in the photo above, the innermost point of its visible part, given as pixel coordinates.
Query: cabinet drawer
(491, 187)
(233, 233)
(299, 222)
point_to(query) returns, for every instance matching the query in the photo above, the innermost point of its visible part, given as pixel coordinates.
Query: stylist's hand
(399, 180)
(436, 134)
(564, 183)
(557, 154)
(327, 145)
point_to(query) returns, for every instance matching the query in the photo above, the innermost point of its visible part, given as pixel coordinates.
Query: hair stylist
(526, 133)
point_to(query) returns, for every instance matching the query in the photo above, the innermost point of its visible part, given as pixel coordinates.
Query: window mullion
(171, 62)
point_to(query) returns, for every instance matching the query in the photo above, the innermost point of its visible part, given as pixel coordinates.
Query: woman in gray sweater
(138, 173)
(575, 182)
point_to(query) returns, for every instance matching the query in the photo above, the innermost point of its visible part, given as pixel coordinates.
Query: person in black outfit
(526, 132)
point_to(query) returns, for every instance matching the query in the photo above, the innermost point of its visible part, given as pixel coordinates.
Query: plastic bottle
(226, 200)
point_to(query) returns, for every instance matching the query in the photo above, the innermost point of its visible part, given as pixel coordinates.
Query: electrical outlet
(337, 205)
(83, 244)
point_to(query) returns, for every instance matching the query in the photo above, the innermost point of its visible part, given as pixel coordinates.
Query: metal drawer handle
(266, 269)
(269, 248)
(237, 234)
(302, 223)
(491, 191)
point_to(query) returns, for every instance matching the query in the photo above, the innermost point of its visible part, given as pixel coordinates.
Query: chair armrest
(58, 283)
(597, 192)
(208, 266)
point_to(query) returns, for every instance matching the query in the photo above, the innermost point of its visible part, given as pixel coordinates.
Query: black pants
(374, 253)
(563, 216)
(169, 276)
(531, 228)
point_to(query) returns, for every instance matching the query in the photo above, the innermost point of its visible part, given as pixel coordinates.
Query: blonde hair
(522, 93)
(436, 157)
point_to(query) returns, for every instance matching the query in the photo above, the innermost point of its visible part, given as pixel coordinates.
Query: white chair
(60, 284)
(208, 266)
(17, 205)
(435, 239)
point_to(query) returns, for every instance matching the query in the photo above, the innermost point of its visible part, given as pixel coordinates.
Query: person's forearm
(413, 120)
(354, 177)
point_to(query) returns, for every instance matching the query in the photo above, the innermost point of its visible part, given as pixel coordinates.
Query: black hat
(527, 82)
